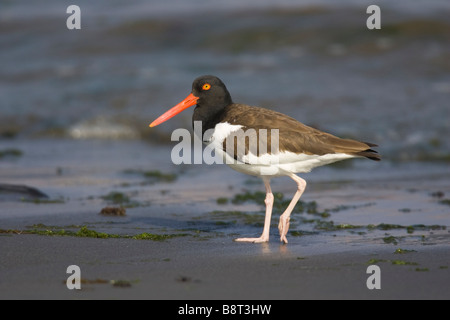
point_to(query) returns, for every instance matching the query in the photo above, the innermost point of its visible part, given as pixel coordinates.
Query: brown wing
(293, 135)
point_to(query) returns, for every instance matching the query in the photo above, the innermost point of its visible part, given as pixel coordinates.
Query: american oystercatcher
(298, 148)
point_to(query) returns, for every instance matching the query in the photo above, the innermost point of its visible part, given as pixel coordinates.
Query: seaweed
(403, 251)
(116, 197)
(155, 237)
(375, 261)
(393, 262)
(121, 199)
(121, 283)
(153, 175)
(159, 176)
(113, 211)
(385, 226)
(300, 233)
(330, 226)
(409, 229)
(11, 152)
(404, 263)
(390, 239)
(222, 200)
(85, 232)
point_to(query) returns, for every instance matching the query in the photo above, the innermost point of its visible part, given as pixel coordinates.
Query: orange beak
(186, 103)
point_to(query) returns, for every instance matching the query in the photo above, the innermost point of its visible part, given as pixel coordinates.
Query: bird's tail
(369, 153)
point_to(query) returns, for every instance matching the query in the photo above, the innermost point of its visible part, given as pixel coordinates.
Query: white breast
(220, 132)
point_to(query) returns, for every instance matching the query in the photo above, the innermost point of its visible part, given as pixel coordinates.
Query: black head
(211, 92)
(208, 93)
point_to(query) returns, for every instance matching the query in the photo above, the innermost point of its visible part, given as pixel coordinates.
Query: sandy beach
(223, 270)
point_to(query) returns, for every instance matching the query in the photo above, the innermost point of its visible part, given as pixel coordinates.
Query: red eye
(206, 86)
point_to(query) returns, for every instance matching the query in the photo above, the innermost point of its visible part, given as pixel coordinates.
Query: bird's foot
(254, 240)
(283, 227)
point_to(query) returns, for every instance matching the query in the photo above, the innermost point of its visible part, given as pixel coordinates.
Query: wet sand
(378, 201)
(35, 268)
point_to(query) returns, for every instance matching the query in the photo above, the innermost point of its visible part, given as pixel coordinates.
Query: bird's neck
(209, 115)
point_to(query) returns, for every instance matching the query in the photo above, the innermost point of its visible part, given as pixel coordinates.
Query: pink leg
(269, 204)
(283, 226)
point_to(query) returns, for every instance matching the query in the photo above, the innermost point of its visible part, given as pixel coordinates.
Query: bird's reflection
(268, 248)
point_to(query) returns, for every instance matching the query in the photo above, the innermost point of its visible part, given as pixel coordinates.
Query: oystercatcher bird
(298, 148)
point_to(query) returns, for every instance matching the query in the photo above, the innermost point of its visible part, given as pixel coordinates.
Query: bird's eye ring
(206, 86)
